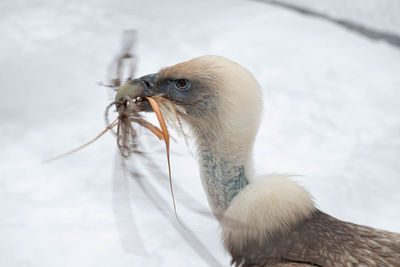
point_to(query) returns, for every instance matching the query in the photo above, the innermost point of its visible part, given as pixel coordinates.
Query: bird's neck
(223, 169)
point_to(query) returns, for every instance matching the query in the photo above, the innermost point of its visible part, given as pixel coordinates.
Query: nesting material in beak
(129, 101)
(127, 114)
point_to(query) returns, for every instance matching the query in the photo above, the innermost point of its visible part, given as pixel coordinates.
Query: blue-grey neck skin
(223, 175)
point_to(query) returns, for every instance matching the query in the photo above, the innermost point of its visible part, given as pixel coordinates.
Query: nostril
(148, 85)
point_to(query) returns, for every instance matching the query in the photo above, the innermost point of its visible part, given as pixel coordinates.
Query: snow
(331, 114)
(382, 15)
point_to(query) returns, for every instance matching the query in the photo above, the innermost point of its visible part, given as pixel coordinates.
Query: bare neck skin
(222, 169)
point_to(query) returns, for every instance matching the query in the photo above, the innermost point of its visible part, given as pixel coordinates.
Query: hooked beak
(137, 90)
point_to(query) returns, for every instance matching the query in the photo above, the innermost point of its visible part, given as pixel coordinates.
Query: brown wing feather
(323, 241)
(291, 264)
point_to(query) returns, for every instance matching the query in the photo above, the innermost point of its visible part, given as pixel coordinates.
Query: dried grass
(128, 115)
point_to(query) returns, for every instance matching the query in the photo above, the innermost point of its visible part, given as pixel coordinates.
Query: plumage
(324, 241)
(267, 220)
(320, 240)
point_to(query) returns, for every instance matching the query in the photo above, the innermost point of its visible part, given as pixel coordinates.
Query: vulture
(267, 220)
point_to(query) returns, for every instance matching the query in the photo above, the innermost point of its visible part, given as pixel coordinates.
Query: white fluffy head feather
(233, 97)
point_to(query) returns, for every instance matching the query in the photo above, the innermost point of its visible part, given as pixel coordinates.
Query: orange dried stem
(157, 110)
(154, 129)
(173, 108)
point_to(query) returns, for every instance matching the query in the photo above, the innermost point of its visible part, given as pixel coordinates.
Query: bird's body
(322, 240)
(267, 220)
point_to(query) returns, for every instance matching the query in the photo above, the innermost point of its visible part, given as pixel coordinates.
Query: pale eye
(182, 84)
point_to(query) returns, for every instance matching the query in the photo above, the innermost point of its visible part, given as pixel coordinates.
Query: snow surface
(382, 15)
(331, 114)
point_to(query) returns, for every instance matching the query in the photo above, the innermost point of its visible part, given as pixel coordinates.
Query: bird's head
(211, 93)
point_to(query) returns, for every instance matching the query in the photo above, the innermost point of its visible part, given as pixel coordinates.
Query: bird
(267, 220)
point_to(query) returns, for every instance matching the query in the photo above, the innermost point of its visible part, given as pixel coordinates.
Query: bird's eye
(182, 84)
